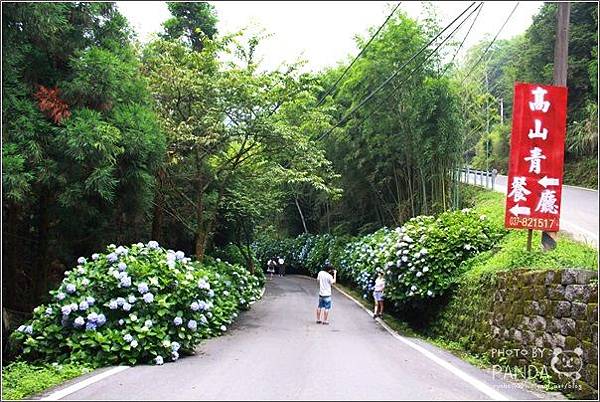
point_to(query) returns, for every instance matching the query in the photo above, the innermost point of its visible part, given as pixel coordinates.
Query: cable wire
(358, 56)
(391, 77)
(490, 45)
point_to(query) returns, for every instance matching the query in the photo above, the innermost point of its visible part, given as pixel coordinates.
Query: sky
(322, 33)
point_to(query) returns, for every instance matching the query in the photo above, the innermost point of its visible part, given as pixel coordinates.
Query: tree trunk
(40, 276)
(301, 214)
(10, 247)
(158, 216)
(200, 232)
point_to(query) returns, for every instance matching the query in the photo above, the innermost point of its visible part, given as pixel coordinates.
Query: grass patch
(21, 380)
(511, 253)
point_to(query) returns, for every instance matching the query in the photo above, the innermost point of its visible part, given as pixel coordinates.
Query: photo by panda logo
(568, 362)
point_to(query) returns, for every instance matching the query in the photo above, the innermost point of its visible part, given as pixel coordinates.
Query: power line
(391, 77)
(358, 56)
(490, 44)
(464, 39)
(420, 65)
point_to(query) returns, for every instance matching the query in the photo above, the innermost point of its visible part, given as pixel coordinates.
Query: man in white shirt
(325, 280)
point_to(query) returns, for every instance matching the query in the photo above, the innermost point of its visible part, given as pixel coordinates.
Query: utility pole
(487, 128)
(502, 111)
(561, 53)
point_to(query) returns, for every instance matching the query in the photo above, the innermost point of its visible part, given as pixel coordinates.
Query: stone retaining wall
(542, 322)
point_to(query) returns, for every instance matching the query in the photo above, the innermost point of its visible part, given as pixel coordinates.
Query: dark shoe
(318, 322)
(325, 322)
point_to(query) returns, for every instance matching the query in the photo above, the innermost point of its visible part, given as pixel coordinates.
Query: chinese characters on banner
(535, 169)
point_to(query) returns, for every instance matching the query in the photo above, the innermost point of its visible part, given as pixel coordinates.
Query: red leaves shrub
(51, 104)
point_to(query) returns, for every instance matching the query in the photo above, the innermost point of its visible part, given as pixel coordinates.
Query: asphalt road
(579, 215)
(276, 351)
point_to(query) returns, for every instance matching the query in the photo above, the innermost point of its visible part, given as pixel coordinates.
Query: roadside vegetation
(21, 380)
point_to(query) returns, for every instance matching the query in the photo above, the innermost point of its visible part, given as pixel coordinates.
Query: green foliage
(395, 151)
(191, 23)
(530, 58)
(420, 260)
(510, 253)
(135, 305)
(580, 173)
(21, 379)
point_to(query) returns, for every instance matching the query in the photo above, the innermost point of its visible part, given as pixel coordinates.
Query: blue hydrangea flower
(66, 310)
(85, 281)
(125, 281)
(195, 306)
(120, 301)
(203, 320)
(121, 250)
(153, 244)
(177, 321)
(113, 305)
(202, 305)
(171, 264)
(112, 257)
(21, 328)
(128, 338)
(80, 270)
(134, 344)
(158, 360)
(175, 346)
(122, 266)
(131, 299)
(226, 293)
(142, 288)
(203, 284)
(90, 300)
(81, 260)
(78, 322)
(121, 321)
(174, 356)
(92, 317)
(60, 296)
(192, 324)
(148, 323)
(95, 256)
(171, 256)
(211, 293)
(49, 311)
(28, 329)
(83, 305)
(101, 320)
(148, 297)
(71, 288)
(180, 255)
(126, 307)
(90, 326)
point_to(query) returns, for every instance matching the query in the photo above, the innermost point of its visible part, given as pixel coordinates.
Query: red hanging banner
(537, 145)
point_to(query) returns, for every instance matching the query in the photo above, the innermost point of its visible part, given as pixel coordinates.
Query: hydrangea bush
(420, 260)
(136, 304)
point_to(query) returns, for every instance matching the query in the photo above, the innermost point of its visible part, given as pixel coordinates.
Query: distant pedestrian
(271, 267)
(326, 278)
(378, 295)
(281, 265)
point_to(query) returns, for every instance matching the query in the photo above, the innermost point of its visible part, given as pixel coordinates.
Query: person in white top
(281, 266)
(378, 295)
(326, 278)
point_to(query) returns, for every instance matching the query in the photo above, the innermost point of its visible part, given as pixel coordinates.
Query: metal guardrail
(466, 173)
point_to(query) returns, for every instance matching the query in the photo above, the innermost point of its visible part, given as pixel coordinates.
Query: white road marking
(55, 396)
(480, 386)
